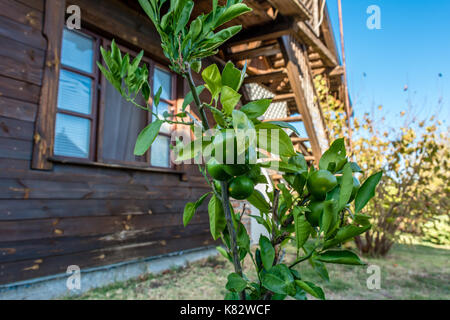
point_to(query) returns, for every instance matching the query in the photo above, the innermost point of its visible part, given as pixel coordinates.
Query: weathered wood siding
(78, 215)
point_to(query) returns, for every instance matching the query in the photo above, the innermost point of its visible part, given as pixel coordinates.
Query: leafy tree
(414, 190)
(321, 204)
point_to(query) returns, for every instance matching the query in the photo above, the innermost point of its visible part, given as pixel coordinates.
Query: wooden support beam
(264, 51)
(303, 149)
(318, 71)
(45, 120)
(316, 64)
(279, 64)
(266, 77)
(314, 56)
(304, 33)
(288, 47)
(283, 97)
(292, 8)
(269, 31)
(287, 119)
(337, 71)
(298, 140)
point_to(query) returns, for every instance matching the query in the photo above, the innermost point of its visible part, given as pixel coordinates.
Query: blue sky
(411, 49)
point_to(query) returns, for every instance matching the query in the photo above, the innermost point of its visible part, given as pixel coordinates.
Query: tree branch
(197, 101)
(232, 232)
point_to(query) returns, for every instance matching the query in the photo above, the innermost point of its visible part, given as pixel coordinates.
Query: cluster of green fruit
(241, 178)
(319, 184)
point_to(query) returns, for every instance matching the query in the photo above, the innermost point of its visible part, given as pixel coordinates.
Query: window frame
(98, 107)
(94, 76)
(172, 104)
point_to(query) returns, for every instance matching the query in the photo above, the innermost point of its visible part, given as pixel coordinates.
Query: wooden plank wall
(75, 215)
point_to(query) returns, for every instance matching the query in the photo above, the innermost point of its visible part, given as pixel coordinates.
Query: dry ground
(409, 272)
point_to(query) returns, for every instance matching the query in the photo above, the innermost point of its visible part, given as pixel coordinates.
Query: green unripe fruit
(320, 182)
(236, 169)
(241, 188)
(313, 217)
(216, 170)
(356, 186)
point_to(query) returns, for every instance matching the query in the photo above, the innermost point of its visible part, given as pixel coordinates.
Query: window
(75, 112)
(93, 122)
(163, 79)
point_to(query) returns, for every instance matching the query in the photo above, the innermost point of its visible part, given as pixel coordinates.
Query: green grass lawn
(408, 272)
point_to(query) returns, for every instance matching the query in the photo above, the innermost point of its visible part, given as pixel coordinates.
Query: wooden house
(71, 190)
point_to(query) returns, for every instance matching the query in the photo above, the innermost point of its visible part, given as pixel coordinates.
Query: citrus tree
(413, 195)
(317, 208)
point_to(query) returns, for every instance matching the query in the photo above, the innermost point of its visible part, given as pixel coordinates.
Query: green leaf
(221, 37)
(157, 96)
(286, 126)
(184, 15)
(334, 154)
(258, 201)
(311, 288)
(243, 72)
(267, 252)
(257, 108)
(217, 221)
(362, 219)
(279, 280)
(191, 207)
(329, 216)
(355, 167)
(213, 79)
(125, 65)
(296, 181)
(235, 283)
(110, 77)
(243, 240)
(285, 194)
(190, 150)
(146, 91)
(116, 55)
(146, 137)
(229, 99)
(302, 226)
(266, 132)
(346, 186)
(195, 29)
(224, 253)
(340, 257)
(231, 13)
(320, 269)
(280, 166)
(231, 76)
(262, 222)
(367, 191)
(188, 214)
(219, 117)
(344, 234)
(196, 66)
(231, 296)
(190, 98)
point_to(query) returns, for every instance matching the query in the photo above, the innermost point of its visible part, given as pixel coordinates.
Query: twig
(198, 104)
(276, 197)
(232, 232)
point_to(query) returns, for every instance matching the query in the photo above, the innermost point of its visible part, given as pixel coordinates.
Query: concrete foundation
(58, 286)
